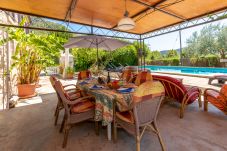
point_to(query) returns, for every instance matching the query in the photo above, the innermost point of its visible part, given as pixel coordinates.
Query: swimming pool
(187, 70)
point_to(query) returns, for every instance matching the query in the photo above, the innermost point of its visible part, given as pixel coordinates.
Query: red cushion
(83, 106)
(174, 88)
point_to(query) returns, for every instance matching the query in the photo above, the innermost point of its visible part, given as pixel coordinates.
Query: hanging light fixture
(126, 23)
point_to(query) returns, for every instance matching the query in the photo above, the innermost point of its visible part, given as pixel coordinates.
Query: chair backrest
(147, 99)
(53, 79)
(63, 96)
(142, 77)
(84, 74)
(126, 75)
(173, 87)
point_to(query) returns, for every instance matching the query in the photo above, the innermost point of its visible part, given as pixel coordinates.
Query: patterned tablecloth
(104, 101)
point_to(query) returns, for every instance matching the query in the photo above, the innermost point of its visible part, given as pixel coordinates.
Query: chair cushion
(224, 90)
(148, 90)
(126, 75)
(84, 74)
(83, 106)
(126, 116)
(142, 77)
(214, 98)
(174, 88)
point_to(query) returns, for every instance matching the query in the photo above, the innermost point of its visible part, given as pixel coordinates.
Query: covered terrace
(31, 127)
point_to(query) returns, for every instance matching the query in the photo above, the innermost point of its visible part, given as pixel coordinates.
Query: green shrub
(165, 62)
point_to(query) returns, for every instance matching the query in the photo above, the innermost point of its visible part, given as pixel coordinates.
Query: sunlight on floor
(29, 101)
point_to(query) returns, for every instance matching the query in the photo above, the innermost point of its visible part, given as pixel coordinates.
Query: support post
(144, 62)
(141, 53)
(66, 62)
(181, 63)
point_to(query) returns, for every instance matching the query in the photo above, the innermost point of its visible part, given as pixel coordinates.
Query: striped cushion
(214, 98)
(84, 74)
(224, 90)
(175, 89)
(142, 77)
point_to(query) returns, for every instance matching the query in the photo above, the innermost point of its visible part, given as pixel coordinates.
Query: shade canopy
(149, 15)
(95, 42)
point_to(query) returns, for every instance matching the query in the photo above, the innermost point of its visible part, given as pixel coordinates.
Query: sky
(163, 42)
(172, 40)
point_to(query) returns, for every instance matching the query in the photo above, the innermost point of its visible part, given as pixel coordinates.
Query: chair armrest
(77, 100)
(68, 85)
(191, 92)
(221, 94)
(73, 89)
(193, 88)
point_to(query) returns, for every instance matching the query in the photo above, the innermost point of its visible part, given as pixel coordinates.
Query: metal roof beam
(72, 6)
(161, 10)
(146, 9)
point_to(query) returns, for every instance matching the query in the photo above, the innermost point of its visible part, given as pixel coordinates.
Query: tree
(212, 39)
(222, 43)
(154, 55)
(171, 53)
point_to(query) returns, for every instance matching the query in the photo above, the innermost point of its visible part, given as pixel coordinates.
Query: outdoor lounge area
(82, 75)
(31, 127)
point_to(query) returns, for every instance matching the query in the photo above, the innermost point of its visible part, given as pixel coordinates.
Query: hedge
(165, 62)
(206, 61)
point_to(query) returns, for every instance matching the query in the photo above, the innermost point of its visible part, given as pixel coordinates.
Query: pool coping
(182, 74)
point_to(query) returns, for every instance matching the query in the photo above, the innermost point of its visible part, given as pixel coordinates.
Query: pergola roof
(149, 15)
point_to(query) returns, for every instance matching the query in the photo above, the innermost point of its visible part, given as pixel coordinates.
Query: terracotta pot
(26, 90)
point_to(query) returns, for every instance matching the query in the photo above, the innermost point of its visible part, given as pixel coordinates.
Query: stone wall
(7, 78)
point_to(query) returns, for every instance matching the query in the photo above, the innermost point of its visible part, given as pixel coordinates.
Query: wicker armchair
(141, 117)
(72, 93)
(126, 75)
(84, 74)
(76, 111)
(217, 98)
(141, 77)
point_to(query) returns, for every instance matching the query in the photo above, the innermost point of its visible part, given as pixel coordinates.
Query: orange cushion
(142, 77)
(83, 106)
(224, 90)
(214, 98)
(126, 75)
(126, 116)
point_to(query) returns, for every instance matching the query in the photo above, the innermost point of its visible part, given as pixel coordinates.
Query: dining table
(107, 100)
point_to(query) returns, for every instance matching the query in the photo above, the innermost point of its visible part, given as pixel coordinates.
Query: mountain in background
(164, 52)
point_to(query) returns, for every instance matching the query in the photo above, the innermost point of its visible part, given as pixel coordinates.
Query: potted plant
(34, 52)
(69, 72)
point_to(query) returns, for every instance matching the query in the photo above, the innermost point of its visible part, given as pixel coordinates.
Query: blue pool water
(188, 70)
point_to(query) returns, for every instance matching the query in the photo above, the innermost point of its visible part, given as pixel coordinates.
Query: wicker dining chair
(141, 77)
(84, 74)
(76, 111)
(126, 75)
(143, 115)
(73, 93)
